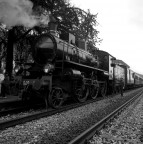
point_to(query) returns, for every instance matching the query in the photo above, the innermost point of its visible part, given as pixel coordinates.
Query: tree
(75, 20)
(80, 23)
(16, 33)
(86, 29)
(65, 15)
(3, 42)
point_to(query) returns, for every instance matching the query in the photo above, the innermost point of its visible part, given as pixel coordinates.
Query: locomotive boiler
(61, 70)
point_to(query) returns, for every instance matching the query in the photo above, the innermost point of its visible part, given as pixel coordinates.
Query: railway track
(84, 137)
(36, 115)
(17, 107)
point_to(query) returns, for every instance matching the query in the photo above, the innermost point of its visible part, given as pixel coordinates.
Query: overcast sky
(121, 28)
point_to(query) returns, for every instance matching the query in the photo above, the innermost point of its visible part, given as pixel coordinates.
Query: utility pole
(9, 57)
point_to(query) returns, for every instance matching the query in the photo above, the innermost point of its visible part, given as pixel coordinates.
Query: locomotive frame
(61, 70)
(71, 72)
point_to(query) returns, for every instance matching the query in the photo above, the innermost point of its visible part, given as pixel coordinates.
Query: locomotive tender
(61, 70)
(118, 70)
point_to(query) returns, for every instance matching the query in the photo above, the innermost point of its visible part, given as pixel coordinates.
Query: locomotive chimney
(53, 26)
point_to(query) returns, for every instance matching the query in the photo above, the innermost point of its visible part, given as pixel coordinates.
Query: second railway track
(84, 137)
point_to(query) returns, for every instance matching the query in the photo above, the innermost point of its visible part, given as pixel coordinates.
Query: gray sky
(121, 28)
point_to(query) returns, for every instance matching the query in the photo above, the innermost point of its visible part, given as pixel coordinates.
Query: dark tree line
(69, 18)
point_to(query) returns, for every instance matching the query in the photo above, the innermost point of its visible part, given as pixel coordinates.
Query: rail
(44, 113)
(84, 137)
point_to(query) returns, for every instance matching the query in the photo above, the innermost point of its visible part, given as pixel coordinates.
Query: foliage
(65, 15)
(70, 19)
(75, 20)
(86, 29)
(3, 41)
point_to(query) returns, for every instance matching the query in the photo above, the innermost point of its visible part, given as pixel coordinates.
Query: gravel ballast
(62, 127)
(126, 129)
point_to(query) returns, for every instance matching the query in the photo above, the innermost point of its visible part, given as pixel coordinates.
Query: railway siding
(62, 127)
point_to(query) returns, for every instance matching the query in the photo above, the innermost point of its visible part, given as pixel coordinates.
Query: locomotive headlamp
(16, 69)
(48, 68)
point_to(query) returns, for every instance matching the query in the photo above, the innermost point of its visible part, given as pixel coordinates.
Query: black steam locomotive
(60, 70)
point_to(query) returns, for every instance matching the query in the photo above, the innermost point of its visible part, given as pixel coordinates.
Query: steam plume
(19, 12)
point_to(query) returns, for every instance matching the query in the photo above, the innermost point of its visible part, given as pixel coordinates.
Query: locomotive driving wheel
(81, 94)
(56, 97)
(94, 90)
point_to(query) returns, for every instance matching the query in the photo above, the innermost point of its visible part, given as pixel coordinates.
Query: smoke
(19, 12)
